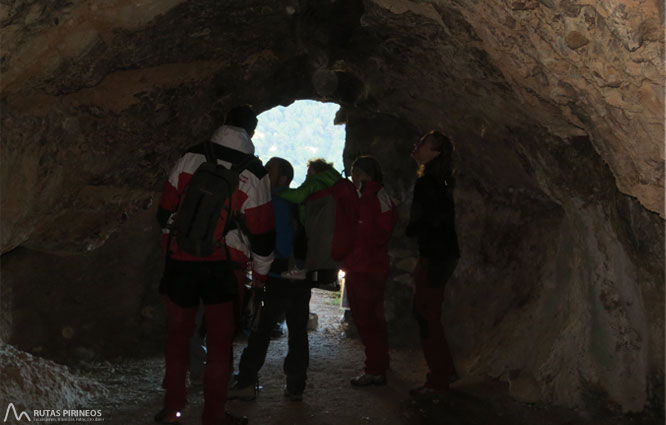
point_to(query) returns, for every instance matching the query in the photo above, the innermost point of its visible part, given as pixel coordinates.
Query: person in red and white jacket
(213, 280)
(367, 269)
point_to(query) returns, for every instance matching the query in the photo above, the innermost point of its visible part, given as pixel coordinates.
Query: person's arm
(256, 209)
(302, 192)
(430, 207)
(377, 211)
(386, 216)
(167, 206)
(284, 232)
(416, 211)
(435, 209)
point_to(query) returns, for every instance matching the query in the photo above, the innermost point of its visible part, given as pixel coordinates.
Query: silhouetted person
(282, 296)
(432, 222)
(213, 279)
(320, 268)
(367, 269)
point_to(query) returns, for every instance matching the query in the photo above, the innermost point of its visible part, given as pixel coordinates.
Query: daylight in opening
(298, 133)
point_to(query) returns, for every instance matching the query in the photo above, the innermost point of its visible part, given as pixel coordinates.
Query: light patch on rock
(401, 6)
(31, 383)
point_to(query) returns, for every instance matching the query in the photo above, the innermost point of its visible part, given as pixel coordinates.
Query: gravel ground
(134, 393)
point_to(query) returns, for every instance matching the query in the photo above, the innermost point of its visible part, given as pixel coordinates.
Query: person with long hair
(432, 223)
(367, 268)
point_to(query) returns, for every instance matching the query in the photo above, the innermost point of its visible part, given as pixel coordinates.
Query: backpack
(204, 212)
(331, 217)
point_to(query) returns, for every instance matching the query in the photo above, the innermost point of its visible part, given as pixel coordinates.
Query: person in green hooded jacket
(321, 175)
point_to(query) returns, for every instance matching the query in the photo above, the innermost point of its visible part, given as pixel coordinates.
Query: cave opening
(304, 130)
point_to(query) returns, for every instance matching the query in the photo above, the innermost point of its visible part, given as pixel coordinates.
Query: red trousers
(365, 293)
(220, 330)
(428, 313)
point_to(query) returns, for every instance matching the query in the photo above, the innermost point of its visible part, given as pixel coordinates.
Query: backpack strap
(209, 152)
(239, 167)
(234, 221)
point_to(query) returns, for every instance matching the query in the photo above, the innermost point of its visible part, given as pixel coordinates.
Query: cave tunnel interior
(556, 109)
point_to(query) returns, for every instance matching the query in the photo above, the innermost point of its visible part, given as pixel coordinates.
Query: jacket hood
(235, 138)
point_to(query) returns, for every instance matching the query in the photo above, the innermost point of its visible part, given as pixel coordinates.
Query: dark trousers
(294, 301)
(365, 292)
(428, 313)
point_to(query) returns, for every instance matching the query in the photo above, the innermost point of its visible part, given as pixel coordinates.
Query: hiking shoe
(168, 416)
(425, 392)
(366, 379)
(293, 396)
(242, 392)
(230, 419)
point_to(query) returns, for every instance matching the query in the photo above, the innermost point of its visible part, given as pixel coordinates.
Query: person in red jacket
(367, 268)
(189, 280)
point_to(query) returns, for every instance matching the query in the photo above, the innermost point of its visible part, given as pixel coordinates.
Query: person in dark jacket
(432, 223)
(282, 296)
(367, 269)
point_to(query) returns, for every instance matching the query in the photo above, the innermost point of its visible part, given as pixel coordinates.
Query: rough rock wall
(587, 68)
(577, 68)
(609, 277)
(101, 303)
(556, 107)
(574, 294)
